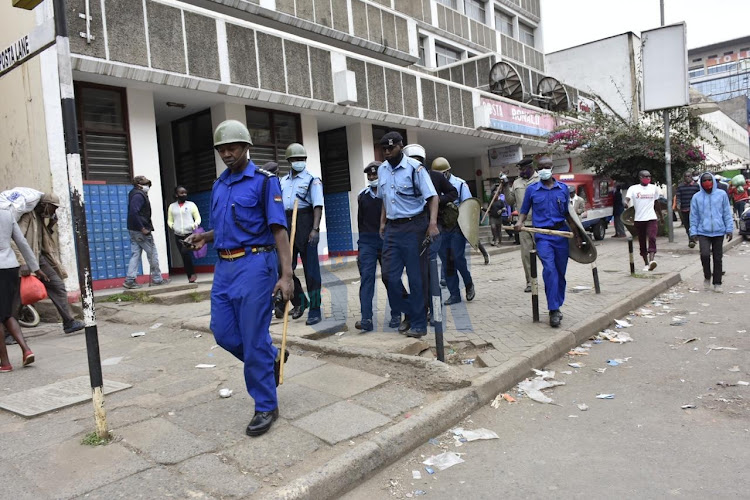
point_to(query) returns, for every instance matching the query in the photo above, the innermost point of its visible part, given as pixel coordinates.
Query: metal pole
(595, 272)
(437, 309)
(73, 159)
(630, 250)
(534, 288)
(667, 156)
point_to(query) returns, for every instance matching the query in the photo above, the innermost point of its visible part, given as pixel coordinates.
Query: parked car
(596, 191)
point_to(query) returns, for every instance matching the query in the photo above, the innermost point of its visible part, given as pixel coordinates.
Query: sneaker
(74, 326)
(159, 283)
(706, 285)
(652, 265)
(131, 285)
(366, 325)
(717, 289)
(395, 322)
(527, 289)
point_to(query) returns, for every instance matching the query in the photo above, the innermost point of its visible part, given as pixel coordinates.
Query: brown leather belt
(237, 253)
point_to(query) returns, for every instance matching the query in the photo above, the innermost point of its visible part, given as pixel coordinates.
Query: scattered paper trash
(738, 292)
(688, 407)
(566, 372)
(508, 398)
(735, 368)
(429, 470)
(719, 348)
(205, 366)
(155, 326)
(225, 393)
(339, 334)
(616, 337)
(214, 347)
(138, 334)
(544, 373)
(533, 387)
(114, 361)
(415, 474)
(741, 331)
(583, 407)
(475, 435)
(197, 336)
(503, 396)
(419, 493)
(600, 370)
(468, 361)
(622, 323)
(612, 362)
(711, 322)
(433, 442)
(444, 460)
(742, 382)
(605, 396)
(575, 365)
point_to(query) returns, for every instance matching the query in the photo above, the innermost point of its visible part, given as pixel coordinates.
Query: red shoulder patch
(277, 198)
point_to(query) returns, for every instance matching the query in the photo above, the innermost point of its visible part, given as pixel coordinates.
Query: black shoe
(261, 422)
(277, 365)
(74, 326)
(278, 312)
(470, 293)
(417, 333)
(365, 325)
(314, 317)
(405, 326)
(395, 322)
(297, 312)
(358, 325)
(453, 299)
(527, 289)
(443, 284)
(555, 317)
(486, 260)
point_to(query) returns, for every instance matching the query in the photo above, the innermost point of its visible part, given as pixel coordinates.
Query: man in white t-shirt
(643, 198)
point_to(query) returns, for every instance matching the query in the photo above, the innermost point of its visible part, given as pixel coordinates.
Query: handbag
(32, 290)
(199, 254)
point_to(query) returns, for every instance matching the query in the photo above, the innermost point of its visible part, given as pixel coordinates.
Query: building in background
(154, 78)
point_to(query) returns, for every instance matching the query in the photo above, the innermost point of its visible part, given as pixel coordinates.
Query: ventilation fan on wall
(551, 95)
(506, 82)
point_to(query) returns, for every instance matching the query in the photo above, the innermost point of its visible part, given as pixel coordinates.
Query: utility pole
(667, 157)
(73, 160)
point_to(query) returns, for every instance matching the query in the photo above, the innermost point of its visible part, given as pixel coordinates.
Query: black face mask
(182, 199)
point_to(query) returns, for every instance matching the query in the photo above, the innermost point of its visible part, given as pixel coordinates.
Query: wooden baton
(288, 303)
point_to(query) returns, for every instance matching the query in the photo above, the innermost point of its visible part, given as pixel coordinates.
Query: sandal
(6, 368)
(28, 358)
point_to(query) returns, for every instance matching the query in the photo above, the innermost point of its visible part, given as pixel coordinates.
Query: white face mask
(545, 173)
(372, 183)
(298, 166)
(145, 189)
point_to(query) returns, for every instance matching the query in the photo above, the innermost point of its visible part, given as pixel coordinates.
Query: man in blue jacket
(710, 220)
(141, 238)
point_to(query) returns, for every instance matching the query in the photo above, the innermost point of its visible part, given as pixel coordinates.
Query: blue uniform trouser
(553, 252)
(401, 249)
(240, 316)
(453, 257)
(370, 248)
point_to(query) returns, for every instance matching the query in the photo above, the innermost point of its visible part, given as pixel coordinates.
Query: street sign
(26, 47)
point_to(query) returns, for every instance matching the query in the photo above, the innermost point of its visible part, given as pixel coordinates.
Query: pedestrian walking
(498, 214)
(300, 185)
(644, 197)
(370, 249)
(453, 244)
(710, 221)
(617, 209)
(515, 196)
(408, 220)
(550, 201)
(140, 228)
(183, 218)
(9, 283)
(576, 202)
(38, 228)
(739, 195)
(247, 213)
(681, 202)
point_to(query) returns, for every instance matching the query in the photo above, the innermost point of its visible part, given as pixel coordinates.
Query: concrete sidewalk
(350, 403)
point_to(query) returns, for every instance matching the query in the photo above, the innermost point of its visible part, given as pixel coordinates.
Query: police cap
(271, 166)
(372, 167)
(391, 139)
(524, 163)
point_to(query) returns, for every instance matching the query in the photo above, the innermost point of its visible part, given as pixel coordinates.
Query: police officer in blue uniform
(453, 246)
(549, 200)
(307, 189)
(370, 248)
(249, 233)
(408, 220)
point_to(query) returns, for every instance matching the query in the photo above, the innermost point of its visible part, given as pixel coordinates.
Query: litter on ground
(533, 387)
(605, 396)
(583, 407)
(616, 337)
(202, 365)
(138, 334)
(444, 460)
(474, 435)
(622, 323)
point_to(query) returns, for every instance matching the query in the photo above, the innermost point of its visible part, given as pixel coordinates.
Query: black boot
(261, 422)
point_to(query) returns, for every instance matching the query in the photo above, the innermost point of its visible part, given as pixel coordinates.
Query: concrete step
(183, 295)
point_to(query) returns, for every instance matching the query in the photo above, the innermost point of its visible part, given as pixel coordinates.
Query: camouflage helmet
(440, 164)
(295, 150)
(230, 131)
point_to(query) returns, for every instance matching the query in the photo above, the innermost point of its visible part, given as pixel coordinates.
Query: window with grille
(446, 55)
(453, 4)
(474, 9)
(527, 34)
(504, 23)
(271, 132)
(195, 164)
(103, 134)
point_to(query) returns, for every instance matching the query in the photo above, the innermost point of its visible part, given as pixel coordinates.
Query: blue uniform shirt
(304, 187)
(404, 188)
(240, 215)
(464, 193)
(550, 204)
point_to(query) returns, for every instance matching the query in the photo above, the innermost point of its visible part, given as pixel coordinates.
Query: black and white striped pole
(534, 287)
(73, 160)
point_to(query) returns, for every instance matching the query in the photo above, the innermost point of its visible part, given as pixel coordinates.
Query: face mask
(545, 173)
(298, 166)
(372, 183)
(145, 189)
(182, 199)
(695, 178)
(645, 181)
(708, 185)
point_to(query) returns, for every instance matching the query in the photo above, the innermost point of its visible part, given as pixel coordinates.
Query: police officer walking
(249, 234)
(307, 189)
(370, 248)
(526, 177)
(550, 201)
(407, 220)
(453, 246)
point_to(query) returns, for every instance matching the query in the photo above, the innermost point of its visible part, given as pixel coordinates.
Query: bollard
(437, 309)
(630, 249)
(534, 288)
(595, 272)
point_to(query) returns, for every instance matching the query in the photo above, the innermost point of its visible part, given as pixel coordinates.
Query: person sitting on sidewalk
(711, 219)
(37, 227)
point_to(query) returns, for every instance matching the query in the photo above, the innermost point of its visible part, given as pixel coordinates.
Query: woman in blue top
(710, 220)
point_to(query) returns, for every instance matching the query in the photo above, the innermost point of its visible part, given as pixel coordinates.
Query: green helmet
(440, 164)
(230, 131)
(295, 150)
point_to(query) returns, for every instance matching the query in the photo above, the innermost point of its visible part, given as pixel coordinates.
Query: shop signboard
(518, 119)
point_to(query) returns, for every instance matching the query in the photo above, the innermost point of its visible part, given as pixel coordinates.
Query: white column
(429, 52)
(145, 153)
(312, 146)
(219, 113)
(361, 152)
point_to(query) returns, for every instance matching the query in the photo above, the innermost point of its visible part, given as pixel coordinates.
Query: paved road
(641, 444)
